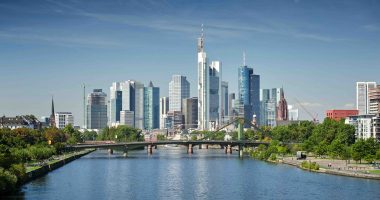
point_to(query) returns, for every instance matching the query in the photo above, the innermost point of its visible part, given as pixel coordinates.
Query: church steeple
(52, 116)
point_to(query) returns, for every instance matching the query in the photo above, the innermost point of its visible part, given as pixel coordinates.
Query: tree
(54, 135)
(359, 150)
(321, 149)
(336, 149)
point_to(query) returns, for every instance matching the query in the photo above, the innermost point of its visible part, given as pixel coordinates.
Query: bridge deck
(185, 143)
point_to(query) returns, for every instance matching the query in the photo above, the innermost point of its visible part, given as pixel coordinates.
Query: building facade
(209, 89)
(23, 121)
(133, 100)
(282, 108)
(224, 101)
(231, 106)
(293, 113)
(374, 100)
(151, 107)
(268, 107)
(340, 114)
(179, 89)
(366, 126)
(97, 110)
(127, 117)
(249, 92)
(116, 103)
(62, 119)
(164, 109)
(190, 112)
(362, 97)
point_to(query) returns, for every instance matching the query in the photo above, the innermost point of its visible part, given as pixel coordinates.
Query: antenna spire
(244, 58)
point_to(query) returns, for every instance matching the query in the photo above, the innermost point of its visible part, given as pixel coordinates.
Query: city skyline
(328, 53)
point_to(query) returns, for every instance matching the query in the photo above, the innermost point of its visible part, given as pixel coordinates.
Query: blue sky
(316, 50)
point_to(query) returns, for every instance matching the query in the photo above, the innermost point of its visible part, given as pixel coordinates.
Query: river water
(170, 173)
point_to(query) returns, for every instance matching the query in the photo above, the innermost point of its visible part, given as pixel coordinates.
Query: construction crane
(314, 117)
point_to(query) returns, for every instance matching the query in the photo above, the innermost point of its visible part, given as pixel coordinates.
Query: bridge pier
(200, 146)
(240, 151)
(229, 149)
(125, 154)
(190, 149)
(155, 146)
(150, 149)
(110, 151)
(206, 146)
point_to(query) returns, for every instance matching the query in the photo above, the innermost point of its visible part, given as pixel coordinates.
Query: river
(170, 173)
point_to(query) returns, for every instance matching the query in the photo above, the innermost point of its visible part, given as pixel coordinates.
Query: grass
(374, 172)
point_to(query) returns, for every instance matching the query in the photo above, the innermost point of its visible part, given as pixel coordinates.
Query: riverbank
(34, 172)
(336, 167)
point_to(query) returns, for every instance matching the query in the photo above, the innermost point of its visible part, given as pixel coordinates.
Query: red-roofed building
(340, 114)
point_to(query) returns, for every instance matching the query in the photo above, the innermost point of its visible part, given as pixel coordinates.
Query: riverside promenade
(338, 167)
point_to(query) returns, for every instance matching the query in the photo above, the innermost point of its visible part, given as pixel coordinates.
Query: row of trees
(330, 138)
(23, 145)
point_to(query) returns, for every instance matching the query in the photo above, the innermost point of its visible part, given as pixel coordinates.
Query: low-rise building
(23, 121)
(63, 119)
(340, 114)
(366, 126)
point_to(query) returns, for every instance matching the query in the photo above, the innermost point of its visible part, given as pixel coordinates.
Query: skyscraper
(116, 100)
(224, 101)
(209, 89)
(164, 109)
(231, 105)
(268, 107)
(151, 107)
(190, 112)
(203, 86)
(249, 92)
(97, 109)
(215, 78)
(133, 100)
(293, 113)
(362, 100)
(179, 89)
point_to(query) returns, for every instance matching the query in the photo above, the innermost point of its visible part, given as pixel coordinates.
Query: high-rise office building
(231, 105)
(151, 107)
(164, 109)
(215, 78)
(116, 100)
(190, 112)
(269, 101)
(179, 89)
(224, 101)
(249, 92)
(133, 100)
(97, 110)
(209, 89)
(62, 119)
(362, 100)
(374, 100)
(127, 117)
(203, 86)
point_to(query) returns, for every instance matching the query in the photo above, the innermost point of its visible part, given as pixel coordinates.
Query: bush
(8, 181)
(308, 165)
(20, 171)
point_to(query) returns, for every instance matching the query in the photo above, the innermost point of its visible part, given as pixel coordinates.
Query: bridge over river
(226, 145)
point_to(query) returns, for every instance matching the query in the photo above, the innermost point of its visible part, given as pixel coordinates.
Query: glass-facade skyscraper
(249, 92)
(116, 101)
(151, 107)
(97, 110)
(179, 89)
